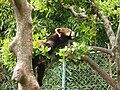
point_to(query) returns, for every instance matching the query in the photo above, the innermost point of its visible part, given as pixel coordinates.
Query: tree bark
(102, 73)
(22, 46)
(106, 23)
(117, 53)
(78, 15)
(105, 50)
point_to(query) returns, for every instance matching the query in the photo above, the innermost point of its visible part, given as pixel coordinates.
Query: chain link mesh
(80, 76)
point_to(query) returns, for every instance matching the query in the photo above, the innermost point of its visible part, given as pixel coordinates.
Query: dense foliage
(48, 15)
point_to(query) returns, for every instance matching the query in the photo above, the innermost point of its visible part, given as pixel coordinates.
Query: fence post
(63, 74)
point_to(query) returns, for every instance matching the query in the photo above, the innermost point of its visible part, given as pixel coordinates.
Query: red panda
(61, 37)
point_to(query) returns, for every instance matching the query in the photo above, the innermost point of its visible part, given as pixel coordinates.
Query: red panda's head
(65, 32)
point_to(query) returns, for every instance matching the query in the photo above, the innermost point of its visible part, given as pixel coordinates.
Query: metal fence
(80, 76)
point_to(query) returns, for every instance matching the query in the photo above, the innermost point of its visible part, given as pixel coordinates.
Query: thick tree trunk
(22, 46)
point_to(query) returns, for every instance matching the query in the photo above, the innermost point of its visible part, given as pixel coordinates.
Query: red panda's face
(65, 31)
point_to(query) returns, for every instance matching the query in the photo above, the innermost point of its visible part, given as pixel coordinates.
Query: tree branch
(118, 32)
(19, 6)
(107, 23)
(102, 73)
(78, 15)
(117, 52)
(105, 50)
(109, 31)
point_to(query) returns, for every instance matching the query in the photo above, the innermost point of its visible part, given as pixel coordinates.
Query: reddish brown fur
(59, 38)
(41, 42)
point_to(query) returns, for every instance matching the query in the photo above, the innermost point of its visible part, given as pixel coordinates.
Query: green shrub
(8, 57)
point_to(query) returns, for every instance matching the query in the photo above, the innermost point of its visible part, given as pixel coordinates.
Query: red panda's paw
(41, 42)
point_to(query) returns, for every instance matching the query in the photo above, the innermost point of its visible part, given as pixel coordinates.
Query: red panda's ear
(57, 31)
